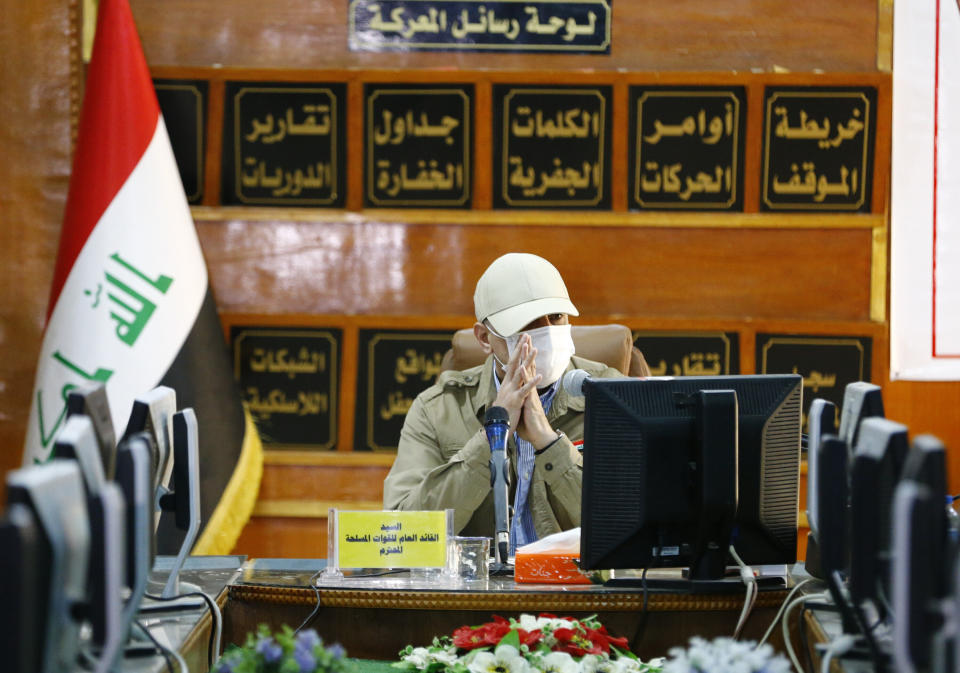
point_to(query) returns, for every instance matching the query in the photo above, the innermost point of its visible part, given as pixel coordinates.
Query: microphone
(574, 381)
(496, 423)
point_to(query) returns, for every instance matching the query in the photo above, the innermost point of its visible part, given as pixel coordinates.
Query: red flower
(472, 637)
(604, 640)
(574, 643)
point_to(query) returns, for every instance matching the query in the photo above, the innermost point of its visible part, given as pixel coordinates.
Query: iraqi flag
(131, 305)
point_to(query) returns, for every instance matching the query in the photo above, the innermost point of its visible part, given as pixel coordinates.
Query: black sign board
(690, 353)
(579, 26)
(551, 146)
(417, 142)
(687, 148)
(395, 366)
(283, 144)
(827, 363)
(289, 378)
(183, 104)
(818, 148)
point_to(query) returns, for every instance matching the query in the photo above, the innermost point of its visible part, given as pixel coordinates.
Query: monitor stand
(679, 582)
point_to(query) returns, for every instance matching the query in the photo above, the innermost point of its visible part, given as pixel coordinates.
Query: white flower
(558, 662)
(724, 655)
(591, 663)
(421, 657)
(418, 657)
(626, 665)
(531, 623)
(505, 659)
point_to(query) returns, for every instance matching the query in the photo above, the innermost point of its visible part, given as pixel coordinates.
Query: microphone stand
(496, 423)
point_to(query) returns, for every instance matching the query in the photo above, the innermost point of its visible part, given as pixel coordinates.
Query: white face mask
(554, 345)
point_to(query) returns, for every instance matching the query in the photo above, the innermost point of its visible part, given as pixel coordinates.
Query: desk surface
(389, 611)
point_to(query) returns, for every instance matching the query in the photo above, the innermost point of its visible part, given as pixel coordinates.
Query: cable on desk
(165, 651)
(804, 640)
(316, 609)
(786, 620)
(839, 645)
(750, 581)
(213, 644)
(783, 605)
(642, 623)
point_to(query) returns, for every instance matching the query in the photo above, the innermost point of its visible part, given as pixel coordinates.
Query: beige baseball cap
(518, 288)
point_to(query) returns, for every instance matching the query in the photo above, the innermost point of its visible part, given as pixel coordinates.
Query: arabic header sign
(826, 363)
(687, 147)
(690, 353)
(818, 148)
(417, 141)
(283, 144)
(496, 25)
(289, 381)
(551, 146)
(395, 366)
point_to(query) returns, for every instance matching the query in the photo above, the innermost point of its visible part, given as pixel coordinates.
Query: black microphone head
(496, 415)
(573, 382)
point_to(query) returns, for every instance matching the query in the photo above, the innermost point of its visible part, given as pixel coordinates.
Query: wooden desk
(373, 618)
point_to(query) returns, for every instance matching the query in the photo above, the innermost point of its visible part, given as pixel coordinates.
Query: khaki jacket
(443, 459)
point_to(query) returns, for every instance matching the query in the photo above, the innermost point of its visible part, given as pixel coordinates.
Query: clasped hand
(518, 395)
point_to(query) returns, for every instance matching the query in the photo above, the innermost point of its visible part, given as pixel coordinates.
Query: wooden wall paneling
(482, 145)
(40, 77)
(358, 266)
(677, 36)
(212, 163)
(753, 147)
(355, 158)
(621, 148)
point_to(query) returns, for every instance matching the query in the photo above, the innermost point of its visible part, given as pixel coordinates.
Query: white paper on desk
(564, 542)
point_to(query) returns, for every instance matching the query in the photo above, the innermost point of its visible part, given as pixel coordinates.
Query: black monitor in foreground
(644, 475)
(878, 461)
(133, 477)
(21, 586)
(917, 560)
(54, 494)
(821, 420)
(860, 400)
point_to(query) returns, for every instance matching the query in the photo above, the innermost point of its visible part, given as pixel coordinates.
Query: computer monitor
(821, 420)
(878, 461)
(104, 606)
(54, 493)
(153, 413)
(91, 401)
(917, 560)
(77, 441)
(184, 500)
(926, 463)
(133, 477)
(860, 400)
(21, 585)
(644, 479)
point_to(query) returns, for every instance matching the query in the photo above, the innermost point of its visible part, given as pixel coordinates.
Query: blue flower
(307, 640)
(226, 665)
(305, 660)
(336, 651)
(270, 650)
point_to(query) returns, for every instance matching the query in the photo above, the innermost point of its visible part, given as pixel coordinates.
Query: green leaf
(512, 638)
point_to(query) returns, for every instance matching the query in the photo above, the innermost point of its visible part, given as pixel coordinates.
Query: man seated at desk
(443, 459)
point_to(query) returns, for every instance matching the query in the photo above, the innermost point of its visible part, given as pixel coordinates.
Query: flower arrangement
(542, 644)
(284, 652)
(724, 655)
